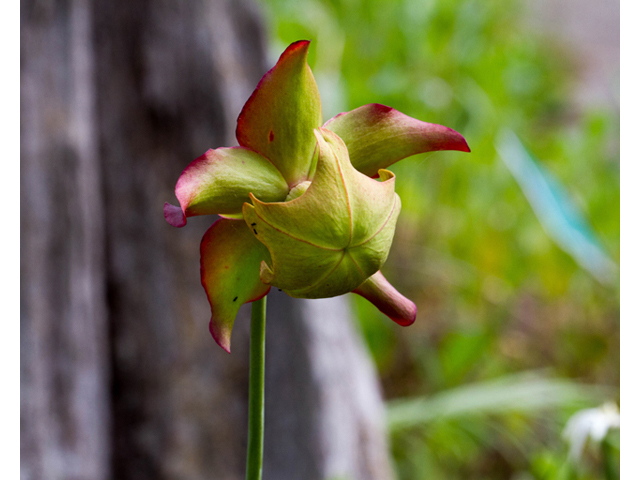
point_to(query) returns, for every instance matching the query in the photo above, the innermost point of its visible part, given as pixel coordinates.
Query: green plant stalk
(608, 467)
(255, 447)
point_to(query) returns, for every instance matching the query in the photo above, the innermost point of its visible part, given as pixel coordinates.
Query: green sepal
(230, 259)
(378, 136)
(279, 118)
(220, 181)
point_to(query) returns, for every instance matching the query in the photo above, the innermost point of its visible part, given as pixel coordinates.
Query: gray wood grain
(64, 341)
(120, 377)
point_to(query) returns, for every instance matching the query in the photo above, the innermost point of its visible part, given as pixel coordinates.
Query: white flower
(591, 422)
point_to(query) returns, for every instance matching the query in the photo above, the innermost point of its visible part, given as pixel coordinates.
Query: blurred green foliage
(495, 293)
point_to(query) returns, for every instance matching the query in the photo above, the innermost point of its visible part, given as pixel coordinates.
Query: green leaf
(279, 118)
(230, 259)
(524, 393)
(378, 136)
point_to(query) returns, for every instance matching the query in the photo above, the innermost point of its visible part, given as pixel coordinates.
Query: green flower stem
(608, 461)
(255, 447)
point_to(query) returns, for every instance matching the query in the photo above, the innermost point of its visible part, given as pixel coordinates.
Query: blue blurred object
(556, 212)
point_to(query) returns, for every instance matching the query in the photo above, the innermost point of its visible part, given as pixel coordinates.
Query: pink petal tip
(224, 341)
(174, 215)
(389, 301)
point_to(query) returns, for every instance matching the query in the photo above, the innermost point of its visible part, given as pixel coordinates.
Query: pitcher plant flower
(308, 208)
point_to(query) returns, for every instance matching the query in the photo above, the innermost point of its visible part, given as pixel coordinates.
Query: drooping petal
(230, 259)
(378, 136)
(329, 240)
(389, 301)
(220, 181)
(279, 118)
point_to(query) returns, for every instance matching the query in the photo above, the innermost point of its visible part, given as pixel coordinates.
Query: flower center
(297, 191)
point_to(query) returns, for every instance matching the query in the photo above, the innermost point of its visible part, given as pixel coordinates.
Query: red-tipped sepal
(378, 136)
(220, 181)
(279, 118)
(389, 301)
(230, 259)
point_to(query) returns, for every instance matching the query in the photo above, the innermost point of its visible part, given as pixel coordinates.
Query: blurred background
(511, 253)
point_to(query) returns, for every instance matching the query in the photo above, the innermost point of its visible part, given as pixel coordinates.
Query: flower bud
(334, 236)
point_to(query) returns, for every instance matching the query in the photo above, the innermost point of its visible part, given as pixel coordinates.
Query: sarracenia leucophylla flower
(300, 204)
